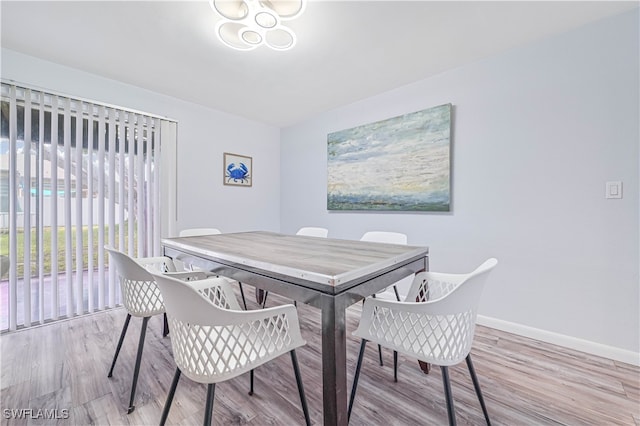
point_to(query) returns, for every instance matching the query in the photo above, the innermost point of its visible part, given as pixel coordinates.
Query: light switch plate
(614, 189)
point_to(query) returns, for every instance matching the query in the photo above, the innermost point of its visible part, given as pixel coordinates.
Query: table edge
(333, 280)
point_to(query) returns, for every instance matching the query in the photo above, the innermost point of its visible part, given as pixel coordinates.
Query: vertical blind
(76, 176)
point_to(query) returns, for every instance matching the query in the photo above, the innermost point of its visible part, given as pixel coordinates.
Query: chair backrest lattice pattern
(436, 322)
(216, 290)
(141, 298)
(216, 353)
(218, 298)
(432, 289)
(140, 295)
(445, 338)
(213, 339)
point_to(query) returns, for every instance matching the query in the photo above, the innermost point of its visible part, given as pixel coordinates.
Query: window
(75, 176)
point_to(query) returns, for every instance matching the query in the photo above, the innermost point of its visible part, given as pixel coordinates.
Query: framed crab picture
(237, 170)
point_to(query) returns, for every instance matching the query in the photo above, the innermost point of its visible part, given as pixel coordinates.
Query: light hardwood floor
(525, 382)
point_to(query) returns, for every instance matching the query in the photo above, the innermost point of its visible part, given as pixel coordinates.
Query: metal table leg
(334, 362)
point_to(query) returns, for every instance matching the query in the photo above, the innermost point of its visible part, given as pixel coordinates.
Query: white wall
(203, 135)
(537, 132)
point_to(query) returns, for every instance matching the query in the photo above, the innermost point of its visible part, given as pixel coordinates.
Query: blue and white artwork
(402, 164)
(237, 170)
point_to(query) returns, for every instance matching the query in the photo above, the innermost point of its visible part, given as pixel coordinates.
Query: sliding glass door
(75, 176)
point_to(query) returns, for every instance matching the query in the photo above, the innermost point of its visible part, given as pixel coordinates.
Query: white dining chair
(140, 297)
(307, 231)
(312, 231)
(435, 324)
(388, 238)
(213, 342)
(194, 232)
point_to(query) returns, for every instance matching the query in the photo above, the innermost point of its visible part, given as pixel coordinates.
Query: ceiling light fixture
(247, 24)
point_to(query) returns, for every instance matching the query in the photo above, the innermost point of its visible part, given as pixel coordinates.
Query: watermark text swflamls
(31, 413)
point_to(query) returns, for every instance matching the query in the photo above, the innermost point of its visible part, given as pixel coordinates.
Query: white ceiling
(346, 50)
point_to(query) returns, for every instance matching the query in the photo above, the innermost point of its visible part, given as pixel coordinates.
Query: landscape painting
(398, 164)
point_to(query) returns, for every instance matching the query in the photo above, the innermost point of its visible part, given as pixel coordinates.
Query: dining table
(327, 273)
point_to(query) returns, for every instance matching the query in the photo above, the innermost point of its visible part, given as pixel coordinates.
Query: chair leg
(172, 391)
(447, 392)
(208, 409)
(165, 329)
(354, 386)
(395, 353)
(379, 347)
(395, 290)
(251, 382)
(136, 370)
(303, 399)
(122, 334)
(395, 366)
(244, 301)
(476, 385)
(264, 300)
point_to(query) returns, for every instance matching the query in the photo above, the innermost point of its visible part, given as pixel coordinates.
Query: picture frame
(237, 170)
(398, 164)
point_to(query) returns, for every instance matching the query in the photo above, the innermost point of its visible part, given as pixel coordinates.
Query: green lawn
(4, 247)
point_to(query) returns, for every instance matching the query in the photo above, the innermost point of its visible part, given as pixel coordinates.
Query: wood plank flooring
(525, 382)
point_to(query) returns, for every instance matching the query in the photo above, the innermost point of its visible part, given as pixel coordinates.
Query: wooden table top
(321, 260)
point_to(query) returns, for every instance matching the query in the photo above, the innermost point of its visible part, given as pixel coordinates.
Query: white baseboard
(586, 346)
